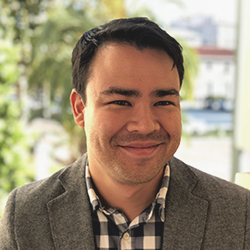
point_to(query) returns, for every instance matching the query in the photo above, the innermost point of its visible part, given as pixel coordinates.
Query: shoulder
(225, 206)
(40, 192)
(205, 185)
(205, 202)
(26, 214)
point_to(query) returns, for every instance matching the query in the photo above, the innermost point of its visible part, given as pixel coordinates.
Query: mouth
(141, 149)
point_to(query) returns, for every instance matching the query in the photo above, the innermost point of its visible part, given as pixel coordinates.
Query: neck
(131, 199)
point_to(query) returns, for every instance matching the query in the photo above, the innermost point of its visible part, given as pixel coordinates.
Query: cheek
(172, 124)
(104, 124)
(113, 124)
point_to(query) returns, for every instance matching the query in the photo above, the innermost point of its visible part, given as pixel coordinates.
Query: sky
(223, 11)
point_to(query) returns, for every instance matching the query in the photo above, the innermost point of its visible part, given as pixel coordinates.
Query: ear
(77, 107)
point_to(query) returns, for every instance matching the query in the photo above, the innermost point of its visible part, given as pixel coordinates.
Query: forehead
(123, 65)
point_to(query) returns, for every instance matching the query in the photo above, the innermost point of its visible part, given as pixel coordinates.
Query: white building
(214, 86)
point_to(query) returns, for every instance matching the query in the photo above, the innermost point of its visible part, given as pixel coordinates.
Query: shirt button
(126, 236)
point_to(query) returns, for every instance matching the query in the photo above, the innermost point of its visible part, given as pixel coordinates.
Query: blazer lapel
(71, 220)
(186, 213)
(70, 213)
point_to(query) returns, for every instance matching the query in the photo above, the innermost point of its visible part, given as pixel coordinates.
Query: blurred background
(38, 135)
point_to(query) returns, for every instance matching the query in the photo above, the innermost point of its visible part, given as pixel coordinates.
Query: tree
(15, 167)
(51, 55)
(52, 48)
(14, 144)
(191, 66)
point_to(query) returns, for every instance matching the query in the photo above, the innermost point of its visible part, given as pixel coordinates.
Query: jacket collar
(71, 219)
(69, 213)
(186, 212)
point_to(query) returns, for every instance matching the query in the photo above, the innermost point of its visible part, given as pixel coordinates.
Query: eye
(121, 103)
(163, 103)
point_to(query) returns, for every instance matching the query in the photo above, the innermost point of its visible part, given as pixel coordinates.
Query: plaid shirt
(112, 230)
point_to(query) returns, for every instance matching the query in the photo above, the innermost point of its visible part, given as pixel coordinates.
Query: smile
(141, 149)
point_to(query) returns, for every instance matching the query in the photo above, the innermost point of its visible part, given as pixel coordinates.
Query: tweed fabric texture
(202, 213)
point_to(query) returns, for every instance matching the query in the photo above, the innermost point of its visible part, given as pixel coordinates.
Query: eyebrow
(165, 92)
(136, 93)
(121, 91)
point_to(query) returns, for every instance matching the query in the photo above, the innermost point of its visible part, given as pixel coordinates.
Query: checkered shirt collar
(159, 201)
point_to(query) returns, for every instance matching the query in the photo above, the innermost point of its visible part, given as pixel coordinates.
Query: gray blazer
(202, 212)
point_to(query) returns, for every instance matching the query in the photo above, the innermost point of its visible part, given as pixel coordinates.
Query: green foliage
(191, 66)
(14, 147)
(51, 58)
(23, 16)
(52, 48)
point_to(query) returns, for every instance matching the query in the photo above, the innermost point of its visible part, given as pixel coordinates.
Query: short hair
(138, 32)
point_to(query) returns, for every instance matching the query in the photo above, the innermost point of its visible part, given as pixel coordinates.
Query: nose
(143, 120)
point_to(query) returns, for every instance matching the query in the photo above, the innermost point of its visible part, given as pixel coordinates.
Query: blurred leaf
(50, 70)
(14, 144)
(191, 65)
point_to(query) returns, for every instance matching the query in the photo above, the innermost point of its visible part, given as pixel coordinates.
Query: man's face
(132, 114)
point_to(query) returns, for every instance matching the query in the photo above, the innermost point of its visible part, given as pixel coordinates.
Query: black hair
(138, 32)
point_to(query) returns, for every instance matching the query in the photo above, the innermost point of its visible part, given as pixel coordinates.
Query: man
(128, 191)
